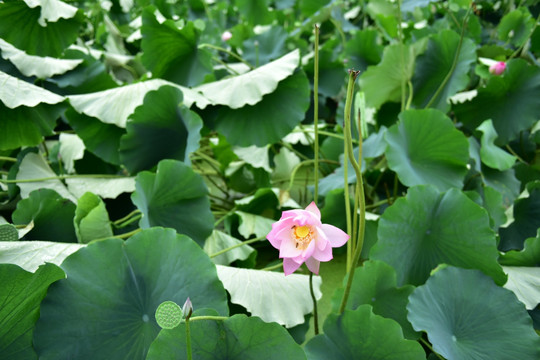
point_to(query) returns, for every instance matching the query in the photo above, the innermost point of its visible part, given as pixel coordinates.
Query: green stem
(133, 213)
(120, 236)
(188, 340)
(350, 248)
(454, 63)
(7, 158)
(218, 48)
(128, 222)
(316, 114)
(428, 345)
(61, 177)
(315, 313)
(522, 47)
(359, 187)
(247, 242)
(208, 317)
(402, 56)
(273, 267)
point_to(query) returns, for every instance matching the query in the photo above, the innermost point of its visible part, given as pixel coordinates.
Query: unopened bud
(187, 309)
(497, 68)
(226, 36)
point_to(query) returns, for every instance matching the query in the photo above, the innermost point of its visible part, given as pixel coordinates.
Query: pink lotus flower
(497, 68)
(301, 237)
(226, 36)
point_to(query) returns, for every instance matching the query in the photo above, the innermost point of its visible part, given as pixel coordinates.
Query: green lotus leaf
(526, 222)
(30, 255)
(40, 67)
(248, 286)
(516, 26)
(91, 219)
(492, 155)
(114, 317)
(360, 334)
(269, 120)
(20, 295)
(251, 224)
(263, 48)
(101, 139)
(467, 316)
(374, 283)
(529, 256)
(426, 148)
(172, 53)
(51, 213)
(219, 241)
(512, 95)
(524, 282)
(71, 149)
(254, 12)
(53, 20)
(106, 188)
(175, 196)
(161, 128)
(363, 49)
(436, 67)
(15, 92)
(250, 88)
(382, 83)
(236, 338)
(428, 228)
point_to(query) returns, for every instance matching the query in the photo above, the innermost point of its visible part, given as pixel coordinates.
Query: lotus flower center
(302, 236)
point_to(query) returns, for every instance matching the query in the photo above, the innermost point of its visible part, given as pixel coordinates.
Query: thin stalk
(247, 242)
(121, 220)
(273, 267)
(295, 170)
(428, 345)
(454, 63)
(522, 47)
(121, 236)
(188, 340)
(350, 248)
(208, 317)
(7, 158)
(129, 221)
(224, 217)
(61, 177)
(219, 48)
(316, 115)
(315, 313)
(402, 56)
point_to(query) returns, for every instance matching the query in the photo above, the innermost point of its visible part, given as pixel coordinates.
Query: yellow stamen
(301, 231)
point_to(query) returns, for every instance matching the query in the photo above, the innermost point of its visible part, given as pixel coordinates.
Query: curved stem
(273, 267)
(7, 158)
(454, 63)
(218, 48)
(428, 345)
(208, 317)
(61, 177)
(402, 56)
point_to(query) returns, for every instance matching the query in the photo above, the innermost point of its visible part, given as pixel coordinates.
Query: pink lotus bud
(497, 68)
(187, 309)
(226, 36)
(301, 237)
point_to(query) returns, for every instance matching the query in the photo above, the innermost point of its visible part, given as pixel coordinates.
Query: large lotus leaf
(426, 148)
(286, 298)
(437, 65)
(175, 196)
(40, 67)
(20, 295)
(251, 224)
(526, 222)
(32, 254)
(102, 139)
(34, 166)
(52, 216)
(219, 241)
(15, 92)
(26, 126)
(467, 316)
(492, 155)
(516, 26)
(513, 95)
(249, 88)
(360, 334)
(91, 219)
(107, 188)
(236, 338)
(374, 283)
(25, 24)
(105, 308)
(161, 128)
(172, 53)
(428, 228)
(363, 49)
(382, 83)
(524, 282)
(269, 120)
(529, 256)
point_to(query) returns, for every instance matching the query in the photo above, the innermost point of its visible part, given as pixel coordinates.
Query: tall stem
(188, 341)
(316, 113)
(315, 312)
(359, 241)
